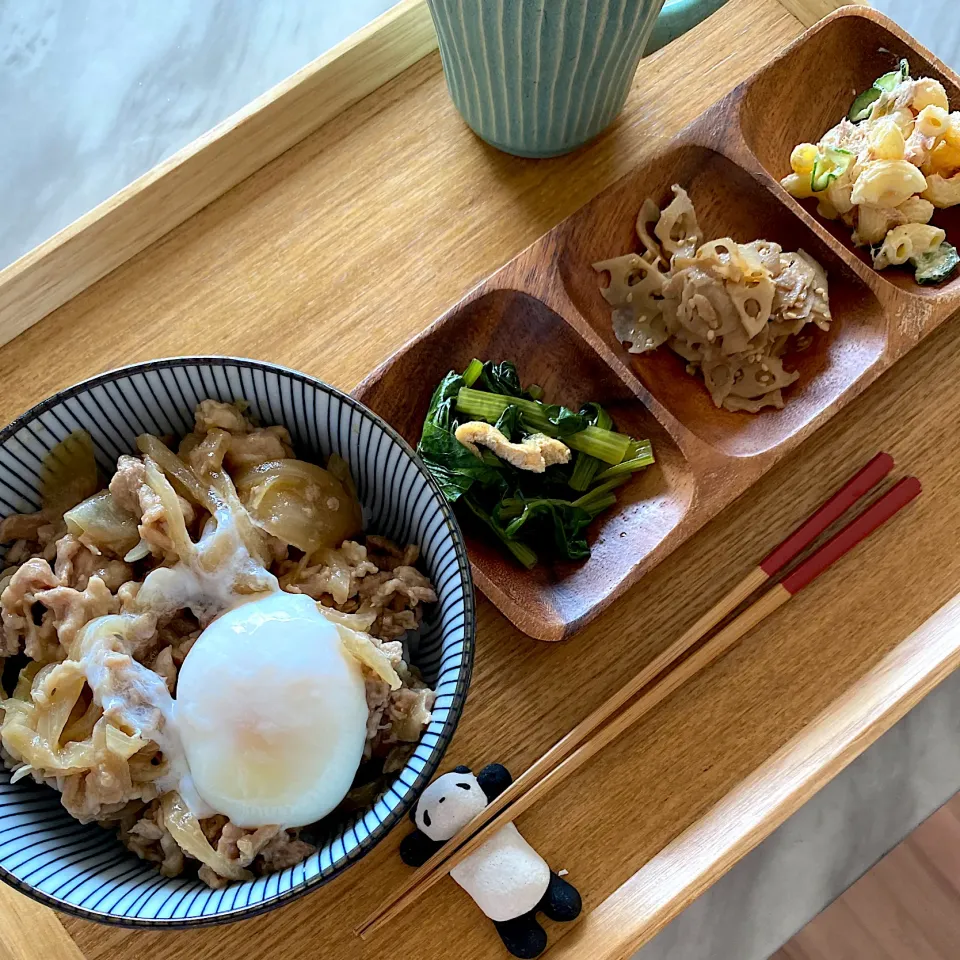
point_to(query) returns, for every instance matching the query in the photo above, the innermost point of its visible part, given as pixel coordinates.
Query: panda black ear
(494, 779)
(462, 769)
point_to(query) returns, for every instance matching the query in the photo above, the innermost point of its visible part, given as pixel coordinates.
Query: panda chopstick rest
(507, 879)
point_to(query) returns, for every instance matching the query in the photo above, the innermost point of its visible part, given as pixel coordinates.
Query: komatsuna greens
(520, 508)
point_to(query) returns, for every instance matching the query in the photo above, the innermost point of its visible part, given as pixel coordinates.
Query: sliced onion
(69, 473)
(299, 503)
(100, 522)
(185, 828)
(361, 647)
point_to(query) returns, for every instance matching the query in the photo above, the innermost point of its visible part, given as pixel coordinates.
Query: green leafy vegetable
(454, 467)
(501, 378)
(585, 467)
(510, 423)
(558, 520)
(474, 369)
(520, 550)
(554, 421)
(522, 509)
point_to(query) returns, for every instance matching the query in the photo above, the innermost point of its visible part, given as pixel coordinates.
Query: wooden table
(336, 253)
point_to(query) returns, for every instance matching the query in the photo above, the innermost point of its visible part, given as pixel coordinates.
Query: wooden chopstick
(564, 758)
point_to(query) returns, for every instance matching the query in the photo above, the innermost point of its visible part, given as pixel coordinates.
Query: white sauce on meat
(131, 694)
(208, 586)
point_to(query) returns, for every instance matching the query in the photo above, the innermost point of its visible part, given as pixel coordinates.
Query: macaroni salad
(885, 169)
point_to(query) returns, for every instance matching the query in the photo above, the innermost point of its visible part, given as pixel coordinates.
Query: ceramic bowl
(83, 869)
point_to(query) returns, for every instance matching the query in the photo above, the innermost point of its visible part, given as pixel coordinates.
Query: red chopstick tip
(856, 487)
(877, 514)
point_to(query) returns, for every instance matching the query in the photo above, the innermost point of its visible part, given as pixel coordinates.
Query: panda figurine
(507, 879)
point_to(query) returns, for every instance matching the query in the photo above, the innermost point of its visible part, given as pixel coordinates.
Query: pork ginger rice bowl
(206, 647)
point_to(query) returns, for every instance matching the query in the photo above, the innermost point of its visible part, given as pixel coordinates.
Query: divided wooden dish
(544, 310)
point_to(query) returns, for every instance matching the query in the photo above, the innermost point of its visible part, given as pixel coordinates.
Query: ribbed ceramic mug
(538, 78)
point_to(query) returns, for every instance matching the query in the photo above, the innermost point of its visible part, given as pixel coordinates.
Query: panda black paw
(417, 848)
(522, 936)
(561, 901)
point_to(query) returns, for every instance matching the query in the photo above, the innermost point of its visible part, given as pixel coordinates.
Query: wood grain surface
(808, 12)
(696, 859)
(351, 242)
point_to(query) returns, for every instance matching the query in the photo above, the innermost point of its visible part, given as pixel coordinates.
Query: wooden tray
(544, 311)
(328, 260)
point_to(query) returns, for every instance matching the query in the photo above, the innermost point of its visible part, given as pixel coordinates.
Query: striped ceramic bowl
(83, 869)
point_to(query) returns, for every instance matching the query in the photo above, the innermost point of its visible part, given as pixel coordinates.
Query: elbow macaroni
(933, 121)
(907, 241)
(886, 140)
(797, 186)
(873, 224)
(915, 210)
(887, 183)
(929, 93)
(941, 192)
(944, 159)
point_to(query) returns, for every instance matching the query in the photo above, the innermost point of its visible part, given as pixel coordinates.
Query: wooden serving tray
(544, 311)
(332, 256)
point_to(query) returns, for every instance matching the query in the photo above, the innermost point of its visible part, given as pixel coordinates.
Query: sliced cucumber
(885, 84)
(863, 104)
(888, 81)
(937, 266)
(831, 162)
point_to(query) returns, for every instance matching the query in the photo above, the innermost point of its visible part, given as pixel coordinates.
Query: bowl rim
(459, 695)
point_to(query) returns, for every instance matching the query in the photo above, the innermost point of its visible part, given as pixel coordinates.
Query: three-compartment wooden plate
(544, 311)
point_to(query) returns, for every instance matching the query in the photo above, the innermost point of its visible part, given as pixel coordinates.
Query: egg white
(271, 713)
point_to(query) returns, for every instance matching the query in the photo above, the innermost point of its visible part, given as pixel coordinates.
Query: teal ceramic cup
(538, 78)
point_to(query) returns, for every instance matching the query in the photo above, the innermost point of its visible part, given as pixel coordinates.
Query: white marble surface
(95, 92)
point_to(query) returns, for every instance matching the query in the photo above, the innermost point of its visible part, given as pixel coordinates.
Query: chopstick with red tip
(590, 736)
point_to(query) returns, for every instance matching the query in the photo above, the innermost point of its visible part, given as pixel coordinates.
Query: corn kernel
(803, 157)
(945, 159)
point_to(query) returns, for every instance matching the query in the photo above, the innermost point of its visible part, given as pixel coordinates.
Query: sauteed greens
(531, 473)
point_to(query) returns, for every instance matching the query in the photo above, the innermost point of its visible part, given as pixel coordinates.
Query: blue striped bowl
(84, 870)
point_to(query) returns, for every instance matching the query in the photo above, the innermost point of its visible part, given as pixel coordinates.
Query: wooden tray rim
(660, 890)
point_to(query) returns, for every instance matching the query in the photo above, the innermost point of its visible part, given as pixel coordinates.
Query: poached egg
(272, 713)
